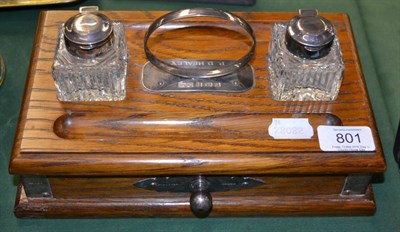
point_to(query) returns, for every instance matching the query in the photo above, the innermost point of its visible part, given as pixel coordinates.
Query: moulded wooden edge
(183, 164)
(251, 206)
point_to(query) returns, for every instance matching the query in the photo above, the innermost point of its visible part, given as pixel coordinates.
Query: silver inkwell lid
(89, 33)
(309, 35)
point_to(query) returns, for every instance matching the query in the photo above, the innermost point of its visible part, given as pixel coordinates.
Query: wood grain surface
(234, 206)
(225, 133)
(111, 187)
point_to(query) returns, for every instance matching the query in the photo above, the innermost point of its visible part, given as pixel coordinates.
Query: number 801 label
(345, 138)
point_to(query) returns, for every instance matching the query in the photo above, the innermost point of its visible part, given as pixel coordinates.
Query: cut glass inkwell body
(90, 63)
(304, 60)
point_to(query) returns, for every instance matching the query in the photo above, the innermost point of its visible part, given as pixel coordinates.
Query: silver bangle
(199, 73)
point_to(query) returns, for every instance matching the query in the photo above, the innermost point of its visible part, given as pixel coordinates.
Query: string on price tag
(345, 138)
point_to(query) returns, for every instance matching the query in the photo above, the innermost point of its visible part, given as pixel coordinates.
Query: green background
(377, 32)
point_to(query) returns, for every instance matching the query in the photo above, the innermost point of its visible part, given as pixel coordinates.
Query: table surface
(380, 68)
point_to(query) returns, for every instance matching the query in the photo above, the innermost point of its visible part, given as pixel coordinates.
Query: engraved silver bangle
(199, 73)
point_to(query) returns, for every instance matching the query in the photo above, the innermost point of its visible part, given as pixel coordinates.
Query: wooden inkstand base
(147, 155)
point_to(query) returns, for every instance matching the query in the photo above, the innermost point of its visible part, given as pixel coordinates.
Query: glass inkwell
(182, 74)
(90, 63)
(304, 59)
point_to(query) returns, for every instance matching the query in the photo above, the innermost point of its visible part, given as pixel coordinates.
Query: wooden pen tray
(84, 149)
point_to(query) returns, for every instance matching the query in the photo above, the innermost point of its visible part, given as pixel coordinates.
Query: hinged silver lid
(88, 29)
(309, 35)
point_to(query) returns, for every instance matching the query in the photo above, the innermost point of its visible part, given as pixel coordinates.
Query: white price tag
(290, 128)
(345, 138)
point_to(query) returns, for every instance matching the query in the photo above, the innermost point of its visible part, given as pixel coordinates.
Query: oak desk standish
(85, 159)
